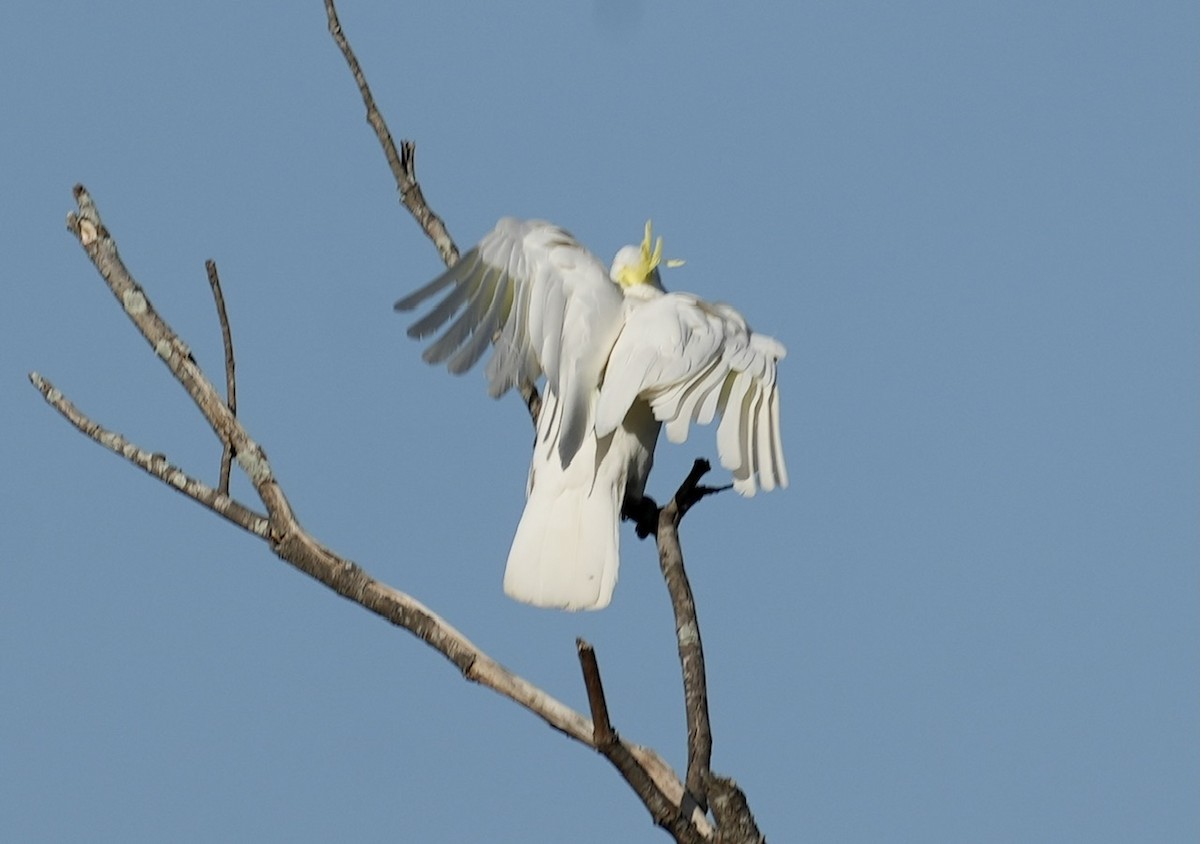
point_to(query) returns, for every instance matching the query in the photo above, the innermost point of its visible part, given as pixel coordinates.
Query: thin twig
(214, 281)
(101, 249)
(402, 163)
(155, 465)
(670, 816)
(602, 727)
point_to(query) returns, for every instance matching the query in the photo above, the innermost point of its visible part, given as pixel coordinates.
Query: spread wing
(691, 360)
(542, 300)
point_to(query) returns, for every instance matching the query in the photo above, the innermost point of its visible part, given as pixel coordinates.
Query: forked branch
(678, 809)
(283, 531)
(665, 813)
(691, 654)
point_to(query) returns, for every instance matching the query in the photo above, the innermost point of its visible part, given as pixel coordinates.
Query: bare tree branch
(735, 822)
(678, 809)
(402, 163)
(214, 281)
(156, 465)
(663, 522)
(404, 170)
(670, 816)
(603, 732)
(687, 633)
(280, 527)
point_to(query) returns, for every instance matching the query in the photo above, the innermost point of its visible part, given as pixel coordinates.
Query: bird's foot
(644, 515)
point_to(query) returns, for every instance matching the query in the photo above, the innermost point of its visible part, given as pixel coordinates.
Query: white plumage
(621, 357)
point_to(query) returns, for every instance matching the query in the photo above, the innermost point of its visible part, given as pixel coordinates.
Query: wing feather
(544, 303)
(483, 333)
(729, 431)
(714, 401)
(445, 309)
(514, 361)
(762, 441)
(479, 300)
(686, 398)
(781, 474)
(547, 307)
(692, 360)
(436, 286)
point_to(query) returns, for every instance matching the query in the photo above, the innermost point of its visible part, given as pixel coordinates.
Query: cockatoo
(621, 357)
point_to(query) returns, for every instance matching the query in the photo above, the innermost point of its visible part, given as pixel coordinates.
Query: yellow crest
(636, 265)
(650, 259)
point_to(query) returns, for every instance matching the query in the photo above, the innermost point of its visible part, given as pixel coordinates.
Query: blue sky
(974, 614)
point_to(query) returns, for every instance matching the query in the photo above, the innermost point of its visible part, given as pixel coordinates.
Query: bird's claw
(644, 515)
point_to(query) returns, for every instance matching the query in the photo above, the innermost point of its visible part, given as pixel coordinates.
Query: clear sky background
(972, 617)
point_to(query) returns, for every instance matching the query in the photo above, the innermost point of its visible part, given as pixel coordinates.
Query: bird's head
(636, 265)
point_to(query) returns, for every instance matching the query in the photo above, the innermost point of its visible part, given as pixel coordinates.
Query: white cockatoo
(621, 357)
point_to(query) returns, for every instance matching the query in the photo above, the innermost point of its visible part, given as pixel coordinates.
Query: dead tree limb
(665, 813)
(155, 465)
(687, 635)
(678, 808)
(214, 281)
(280, 528)
(665, 527)
(403, 164)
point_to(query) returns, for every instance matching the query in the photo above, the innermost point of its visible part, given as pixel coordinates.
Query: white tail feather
(565, 553)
